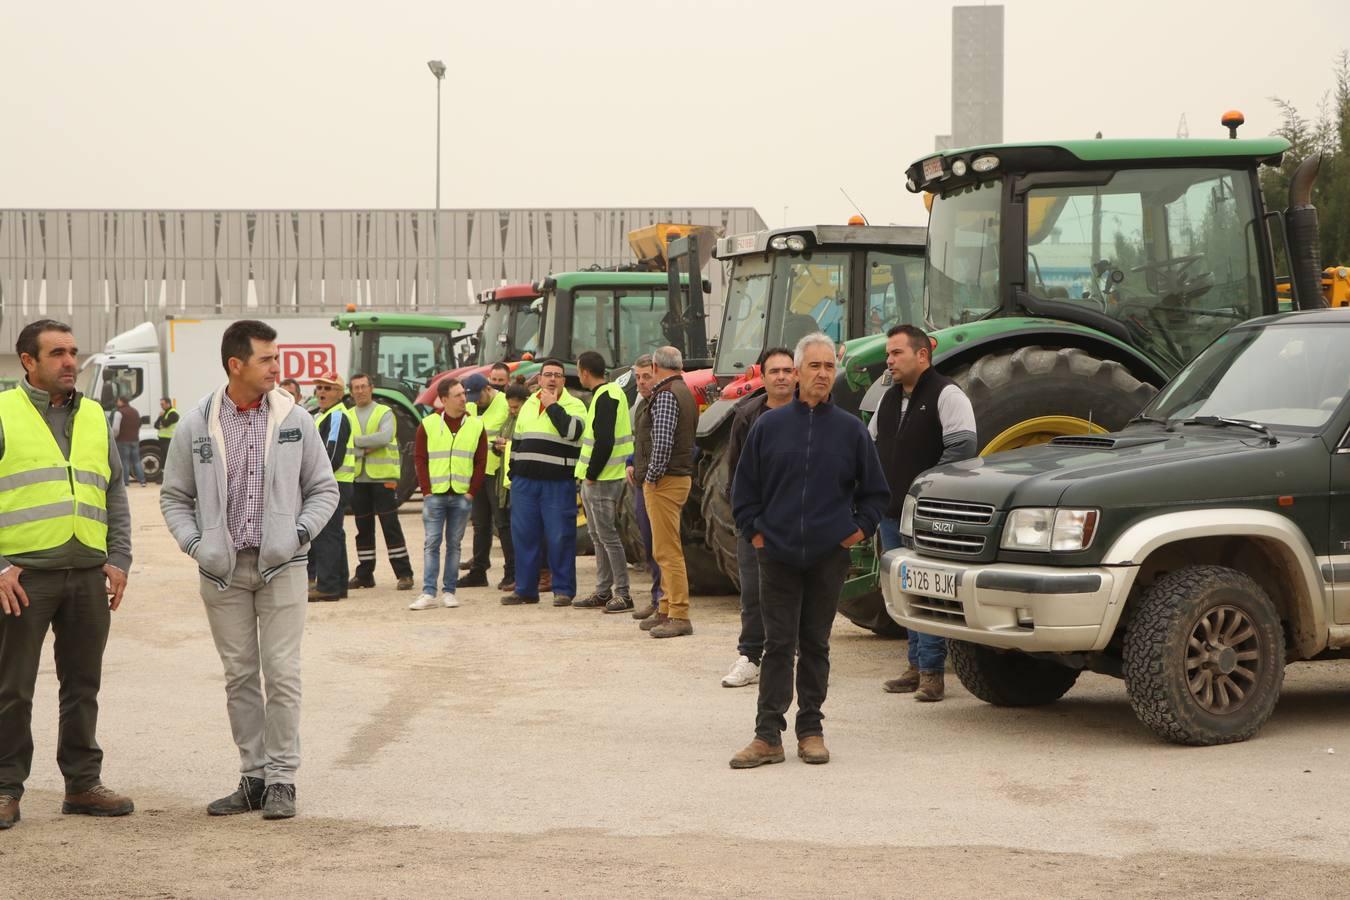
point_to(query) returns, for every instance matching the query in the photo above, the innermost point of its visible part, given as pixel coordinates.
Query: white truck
(180, 359)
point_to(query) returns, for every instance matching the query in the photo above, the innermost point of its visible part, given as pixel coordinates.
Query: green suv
(1192, 553)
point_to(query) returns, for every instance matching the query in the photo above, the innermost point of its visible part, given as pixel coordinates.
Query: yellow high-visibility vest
(450, 454)
(45, 498)
(615, 468)
(346, 473)
(493, 418)
(166, 431)
(379, 463)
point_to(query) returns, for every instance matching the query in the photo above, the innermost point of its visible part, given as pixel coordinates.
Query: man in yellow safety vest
(378, 467)
(606, 445)
(487, 514)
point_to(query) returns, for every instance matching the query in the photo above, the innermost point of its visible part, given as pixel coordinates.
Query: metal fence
(106, 271)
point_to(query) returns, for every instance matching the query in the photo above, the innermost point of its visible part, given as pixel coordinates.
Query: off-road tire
(405, 432)
(1007, 677)
(1010, 386)
(706, 576)
(718, 524)
(629, 532)
(1155, 655)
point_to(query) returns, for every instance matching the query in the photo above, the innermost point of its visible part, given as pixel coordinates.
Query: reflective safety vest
(166, 431)
(450, 454)
(617, 465)
(536, 440)
(345, 473)
(493, 418)
(46, 499)
(379, 463)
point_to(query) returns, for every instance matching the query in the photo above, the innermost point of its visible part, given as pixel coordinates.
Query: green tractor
(1064, 283)
(400, 351)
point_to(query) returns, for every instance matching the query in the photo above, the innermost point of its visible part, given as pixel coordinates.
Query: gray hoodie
(299, 492)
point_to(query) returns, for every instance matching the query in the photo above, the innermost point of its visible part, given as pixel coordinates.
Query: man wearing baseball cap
(328, 554)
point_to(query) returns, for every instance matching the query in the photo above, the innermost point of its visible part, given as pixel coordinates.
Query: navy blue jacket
(807, 479)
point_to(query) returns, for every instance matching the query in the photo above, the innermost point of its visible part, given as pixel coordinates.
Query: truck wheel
(1029, 395)
(1204, 656)
(152, 461)
(719, 527)
(1007, 677)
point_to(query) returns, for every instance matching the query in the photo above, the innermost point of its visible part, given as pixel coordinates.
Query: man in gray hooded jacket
(246, 485)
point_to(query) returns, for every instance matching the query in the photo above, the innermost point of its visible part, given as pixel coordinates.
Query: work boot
(9, 811)
(643, 612)
(907, 683)
(931, 687)
(405, 583)
(97, 801)
(318, 596)
(546, 582)
(594, 601)
(757, 753)
(279, 801)
(672, 628)
(359, 582)
(811, 749)
(618, 604)
(508, 583)
(517, 599)
(246, 798)
(475, 578)
(562, 600)
(466, 565)
(652, 621)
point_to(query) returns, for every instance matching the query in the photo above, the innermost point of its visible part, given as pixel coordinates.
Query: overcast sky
(771, 104)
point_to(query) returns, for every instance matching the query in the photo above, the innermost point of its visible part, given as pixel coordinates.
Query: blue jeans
(131, 462)
(444, 516)
(927, 652)
(544, 518)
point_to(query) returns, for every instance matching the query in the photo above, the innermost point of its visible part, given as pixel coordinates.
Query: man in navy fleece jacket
(808, 486)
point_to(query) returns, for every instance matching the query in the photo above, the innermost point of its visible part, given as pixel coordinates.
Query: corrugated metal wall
(105, 271)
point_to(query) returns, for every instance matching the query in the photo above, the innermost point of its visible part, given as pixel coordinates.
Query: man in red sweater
(451, 460)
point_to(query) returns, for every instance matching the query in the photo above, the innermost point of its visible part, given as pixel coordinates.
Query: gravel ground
(531, 751)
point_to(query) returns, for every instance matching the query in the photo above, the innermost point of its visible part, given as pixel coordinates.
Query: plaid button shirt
(245, 443)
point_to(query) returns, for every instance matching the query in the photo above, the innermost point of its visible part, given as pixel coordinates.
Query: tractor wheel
(719, 528)
(405, 431)
(629, 532)
(1029, 395)
(706, 577)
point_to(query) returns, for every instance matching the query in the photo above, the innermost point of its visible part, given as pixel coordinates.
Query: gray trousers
(257, 628)
(601, 501)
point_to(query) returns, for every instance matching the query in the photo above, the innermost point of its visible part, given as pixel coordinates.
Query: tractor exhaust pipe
(1305, 246)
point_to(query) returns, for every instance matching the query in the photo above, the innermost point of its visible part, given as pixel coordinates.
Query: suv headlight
(907, 516)
(1046, 529)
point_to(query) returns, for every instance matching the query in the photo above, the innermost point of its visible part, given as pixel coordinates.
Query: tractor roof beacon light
(1232, 120)
(856, 220)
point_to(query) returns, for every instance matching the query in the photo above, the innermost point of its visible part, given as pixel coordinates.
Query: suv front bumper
(1015, 607)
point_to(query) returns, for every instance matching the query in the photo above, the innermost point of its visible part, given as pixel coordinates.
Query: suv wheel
(1007, 677)
(1204, 656)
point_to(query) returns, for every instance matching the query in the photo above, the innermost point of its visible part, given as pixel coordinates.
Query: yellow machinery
(1335, 286)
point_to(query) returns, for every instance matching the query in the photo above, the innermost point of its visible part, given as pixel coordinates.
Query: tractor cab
(512, 315)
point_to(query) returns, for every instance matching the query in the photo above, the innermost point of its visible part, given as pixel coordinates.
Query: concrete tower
(977, 77)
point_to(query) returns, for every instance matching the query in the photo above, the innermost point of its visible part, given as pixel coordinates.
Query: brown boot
(9, 811)
(931, 687)
(652, 621)
(97, 801)
(757, 753)
(811, 749)
(672, 628)
(907, 683)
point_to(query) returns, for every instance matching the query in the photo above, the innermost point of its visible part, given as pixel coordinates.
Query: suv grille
(949, 543)
(955, 511)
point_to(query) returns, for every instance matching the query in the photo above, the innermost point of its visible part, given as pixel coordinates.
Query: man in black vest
(924, 420)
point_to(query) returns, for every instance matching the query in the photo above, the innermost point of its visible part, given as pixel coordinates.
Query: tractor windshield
(961, 271)
(1170, 253)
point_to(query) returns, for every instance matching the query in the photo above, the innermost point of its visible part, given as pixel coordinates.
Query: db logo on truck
(305, 362)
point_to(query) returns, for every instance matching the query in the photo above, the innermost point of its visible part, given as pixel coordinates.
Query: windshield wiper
(1154, 420)
(1225, 421)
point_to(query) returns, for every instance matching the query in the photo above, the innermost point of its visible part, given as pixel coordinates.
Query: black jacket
(743, 417)
(807, 479)
(913, 444)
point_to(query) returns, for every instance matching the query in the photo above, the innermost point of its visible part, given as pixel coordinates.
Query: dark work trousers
(501, 523)
(369, 501)
(487, 518)
(751, 643)
(74, 602)
(328, 553)
(799, 606)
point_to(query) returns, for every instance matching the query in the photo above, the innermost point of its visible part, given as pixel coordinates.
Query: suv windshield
(1287, 376)
(961, 271)
(1171, 253)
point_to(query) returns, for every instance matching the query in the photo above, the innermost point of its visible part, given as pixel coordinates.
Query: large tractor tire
(1007, 677)
(706, 576)
(719, 527)
(629, 532)
(1204, 656)
(406, 434)
(1029, 395)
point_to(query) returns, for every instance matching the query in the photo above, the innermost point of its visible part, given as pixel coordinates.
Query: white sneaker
(743, 672)
(449, 600)
(423, 601)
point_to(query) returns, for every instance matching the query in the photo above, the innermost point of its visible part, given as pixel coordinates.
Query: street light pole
(438, 69)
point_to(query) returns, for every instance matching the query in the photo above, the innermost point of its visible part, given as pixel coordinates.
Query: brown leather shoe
(652, 621)
(97, 801)
(931, 687)
(9, 811)
(907, 683)
(644, 612)
(757, 753)
(672, 627)
(811, 749)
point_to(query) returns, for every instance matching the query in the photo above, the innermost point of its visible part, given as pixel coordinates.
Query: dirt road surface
(532, 751)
